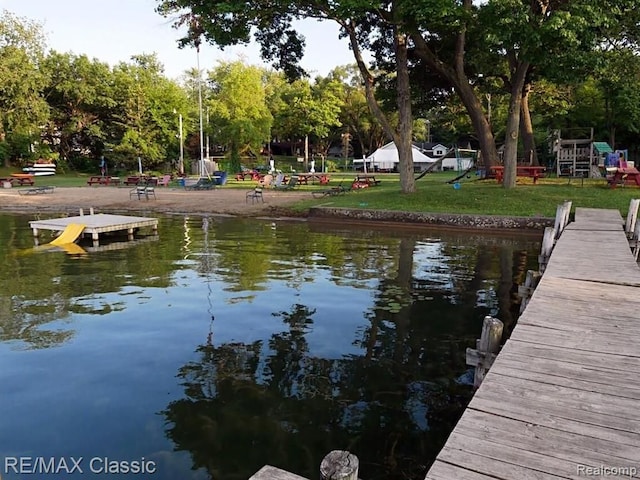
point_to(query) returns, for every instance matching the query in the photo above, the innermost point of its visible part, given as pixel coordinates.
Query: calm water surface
(227, 344)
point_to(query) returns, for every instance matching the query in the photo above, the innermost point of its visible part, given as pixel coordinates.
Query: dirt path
(168, 200)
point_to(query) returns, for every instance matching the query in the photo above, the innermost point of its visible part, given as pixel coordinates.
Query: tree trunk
(479, 121)
(455, 75)
(510, 158)
(402, 137)
(526, 129)
(404, 134)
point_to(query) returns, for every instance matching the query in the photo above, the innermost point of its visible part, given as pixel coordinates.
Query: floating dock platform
(95, 225)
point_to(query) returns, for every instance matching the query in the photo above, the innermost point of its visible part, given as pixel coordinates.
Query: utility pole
(180, 136)
(181, 164)
(207, 133)
(200, 109)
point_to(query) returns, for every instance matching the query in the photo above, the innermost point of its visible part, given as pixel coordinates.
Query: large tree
(143, 120)
(226, 23)
(78, 95)
(22, 108)
(307, 111)
(238, 108)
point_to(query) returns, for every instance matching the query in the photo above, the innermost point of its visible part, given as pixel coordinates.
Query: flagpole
(202, 170)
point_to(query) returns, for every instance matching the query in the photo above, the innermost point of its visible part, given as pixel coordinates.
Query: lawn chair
(142, 191)
(279, 181)
(255, 195)
(288, 186)
(164, 181)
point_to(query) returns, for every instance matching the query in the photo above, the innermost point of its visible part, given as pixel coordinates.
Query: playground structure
(582, 157)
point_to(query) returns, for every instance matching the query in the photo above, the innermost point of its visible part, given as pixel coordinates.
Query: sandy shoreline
(168, 200)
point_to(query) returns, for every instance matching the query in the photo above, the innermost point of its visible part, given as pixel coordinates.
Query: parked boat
(41, 169)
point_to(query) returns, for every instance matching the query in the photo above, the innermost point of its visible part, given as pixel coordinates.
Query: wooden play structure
(579, 157)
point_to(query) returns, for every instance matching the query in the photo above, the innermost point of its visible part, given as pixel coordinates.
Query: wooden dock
(562, 399)
(96, 224)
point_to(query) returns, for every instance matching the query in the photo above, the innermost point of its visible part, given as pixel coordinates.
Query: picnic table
(532, 171)
(364, 181)
(22, 179)
(623, 176)
(100, 180)
(248, 174)
(321, 178)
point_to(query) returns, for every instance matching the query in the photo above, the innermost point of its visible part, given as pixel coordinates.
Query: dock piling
(486, 350)
(339, 465)
(548, 240)
(632, 217)
(562, 217)
(526, 289)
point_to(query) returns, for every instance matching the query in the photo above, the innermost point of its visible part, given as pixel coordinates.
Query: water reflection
(236, 343)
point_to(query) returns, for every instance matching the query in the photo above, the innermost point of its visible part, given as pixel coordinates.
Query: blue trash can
(181, 181)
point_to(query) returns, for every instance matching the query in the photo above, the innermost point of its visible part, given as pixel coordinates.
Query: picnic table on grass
(100, 180)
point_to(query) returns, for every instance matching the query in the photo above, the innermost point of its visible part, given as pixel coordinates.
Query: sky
(114, 30)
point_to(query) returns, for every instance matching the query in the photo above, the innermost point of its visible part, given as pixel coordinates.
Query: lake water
(226, 344)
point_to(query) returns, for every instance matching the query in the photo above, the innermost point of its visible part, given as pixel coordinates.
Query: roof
(602, 147)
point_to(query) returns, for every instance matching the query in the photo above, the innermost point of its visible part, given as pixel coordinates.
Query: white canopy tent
(386, 158)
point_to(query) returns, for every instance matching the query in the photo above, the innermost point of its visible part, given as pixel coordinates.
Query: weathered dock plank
(273, 473)
(562, 396)
(602, 380)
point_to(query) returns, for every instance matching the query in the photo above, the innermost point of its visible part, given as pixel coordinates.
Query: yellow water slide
(69, 235)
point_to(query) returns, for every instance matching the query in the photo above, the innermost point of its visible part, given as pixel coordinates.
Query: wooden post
(562, 217)
(525, 291)
(635, 241)
(632, 216)
(548, 241)
(339, 465)
(486, 348)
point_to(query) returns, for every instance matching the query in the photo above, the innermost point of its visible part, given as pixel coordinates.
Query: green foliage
(305, 109)
(238, 109)
(22, 108)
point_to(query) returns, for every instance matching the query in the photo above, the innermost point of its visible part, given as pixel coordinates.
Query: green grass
(433, 194)
(485, 197)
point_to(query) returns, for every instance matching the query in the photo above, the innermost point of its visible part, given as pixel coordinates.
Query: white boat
(41, 169)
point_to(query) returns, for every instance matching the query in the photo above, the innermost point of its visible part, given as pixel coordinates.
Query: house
(386, 158)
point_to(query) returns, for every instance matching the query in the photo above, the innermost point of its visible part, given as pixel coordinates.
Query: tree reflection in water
(248, 405)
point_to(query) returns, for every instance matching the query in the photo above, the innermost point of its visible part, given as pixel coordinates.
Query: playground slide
(69, 235)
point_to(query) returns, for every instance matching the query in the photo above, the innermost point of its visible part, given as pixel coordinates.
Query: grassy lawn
(434, 195)
(485, 197)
